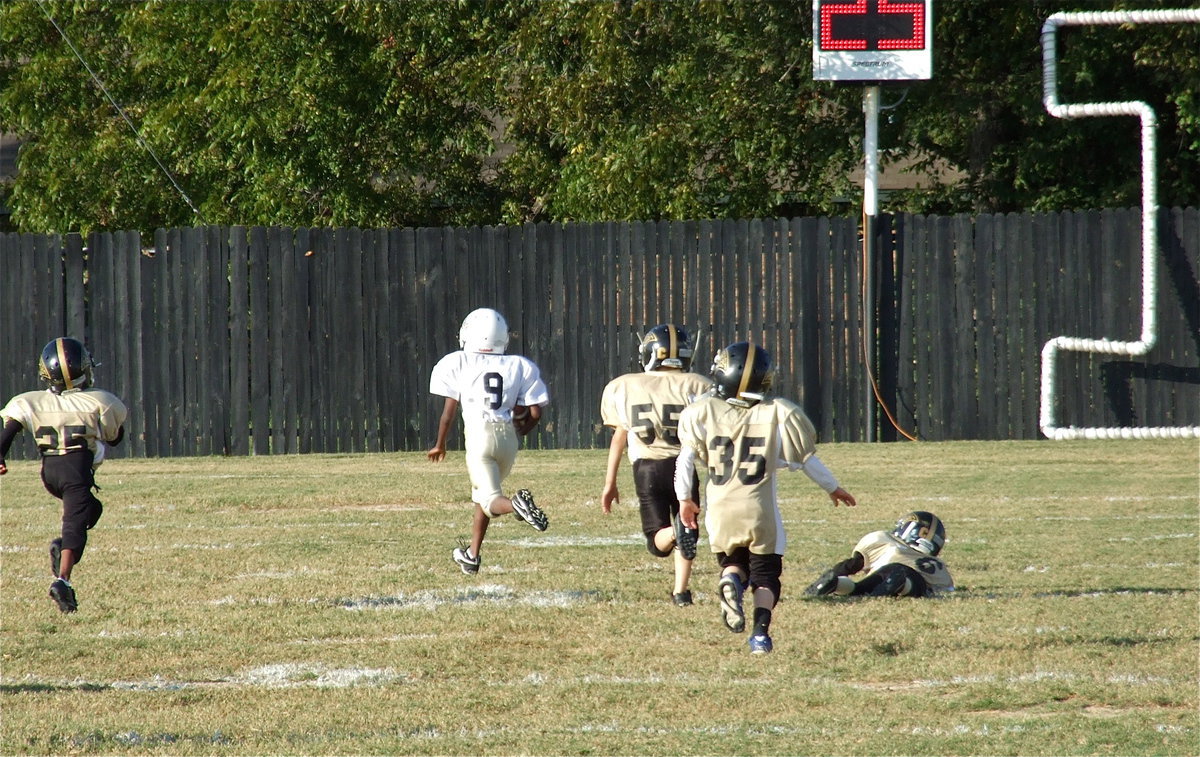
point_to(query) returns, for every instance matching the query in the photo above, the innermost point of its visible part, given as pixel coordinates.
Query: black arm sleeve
(10, 431)
(850, 565)
(120, 436)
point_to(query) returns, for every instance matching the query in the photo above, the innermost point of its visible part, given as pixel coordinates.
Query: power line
(137, 134)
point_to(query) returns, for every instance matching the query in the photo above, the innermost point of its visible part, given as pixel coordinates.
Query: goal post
(1148, 337)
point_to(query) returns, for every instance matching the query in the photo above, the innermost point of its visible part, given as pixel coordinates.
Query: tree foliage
(432, 112)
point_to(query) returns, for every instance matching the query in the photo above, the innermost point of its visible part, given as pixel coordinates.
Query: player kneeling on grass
(643, 410)
(902, 562)
(72, 422)
(742, 437)
(488, 385)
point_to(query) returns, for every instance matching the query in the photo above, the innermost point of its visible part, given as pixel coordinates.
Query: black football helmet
(923, 530)
(65, 364)
(742, 373)
(666, 346)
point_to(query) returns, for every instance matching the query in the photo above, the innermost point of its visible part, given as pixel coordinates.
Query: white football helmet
(484, 330)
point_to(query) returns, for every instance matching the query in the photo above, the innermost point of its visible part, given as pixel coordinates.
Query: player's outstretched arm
(616, 448)
(437, 452)
(685, 474)
(7, 435)
(841, 496)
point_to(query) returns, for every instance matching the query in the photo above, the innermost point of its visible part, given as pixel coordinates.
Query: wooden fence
(234, 340)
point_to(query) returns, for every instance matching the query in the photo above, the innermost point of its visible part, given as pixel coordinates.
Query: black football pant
(654, 481)
(893, 580)
(69, 477)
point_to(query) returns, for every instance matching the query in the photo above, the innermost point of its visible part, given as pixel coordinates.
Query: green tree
(266, 113)
(432, 112)
(672, 110)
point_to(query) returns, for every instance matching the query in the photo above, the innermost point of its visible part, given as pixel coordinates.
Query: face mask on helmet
(923, 530)
(666, 346)
(484, 330)
(65, 365)
(743, 374)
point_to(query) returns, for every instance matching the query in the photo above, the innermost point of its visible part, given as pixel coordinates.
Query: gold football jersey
(73, 420)
(880, 548)
(648, 405)
(741, 448)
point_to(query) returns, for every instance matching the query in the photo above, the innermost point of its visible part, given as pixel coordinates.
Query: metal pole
(870, 209)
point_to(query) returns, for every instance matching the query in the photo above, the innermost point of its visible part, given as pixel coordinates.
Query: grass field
(308, 605)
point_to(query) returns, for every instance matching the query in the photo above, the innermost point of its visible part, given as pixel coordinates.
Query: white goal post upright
(1144, 112)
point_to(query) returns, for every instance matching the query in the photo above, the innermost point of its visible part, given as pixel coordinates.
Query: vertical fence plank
(575, 381)
(260, 351)
(941, 324)
(409, 408)
(539, 267)
(1069, 289)
(190, 332)
(844, 299)
(1178, 381)
(774, 330)
(355, 333)
(806, 307)
(852, 263)
(308, 404)
(219, 421)
(390, 394)
(155, 349)
(21, 346)
(886, 333)
(152, 379)
(48, 289)
(133, 337)
(239, 342)
(373, 355)
(1003, 327)
(279, 335)
(195, 342)
(983, 270)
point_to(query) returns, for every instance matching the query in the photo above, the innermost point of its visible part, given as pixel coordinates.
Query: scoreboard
(872, 40)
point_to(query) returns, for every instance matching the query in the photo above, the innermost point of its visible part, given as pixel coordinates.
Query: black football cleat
(64, 594)
(685, 539)
(526, 510)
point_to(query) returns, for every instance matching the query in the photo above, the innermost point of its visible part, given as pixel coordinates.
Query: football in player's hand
(523, 420)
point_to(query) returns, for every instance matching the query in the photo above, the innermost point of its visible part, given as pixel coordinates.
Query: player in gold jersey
(902, 562)
(742, 437)
(71, 422)
(643, 411)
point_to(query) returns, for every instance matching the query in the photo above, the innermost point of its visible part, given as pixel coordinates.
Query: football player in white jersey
(71, 422)
(902, 562)
(643, 410)
(742, 437)
(487, 385)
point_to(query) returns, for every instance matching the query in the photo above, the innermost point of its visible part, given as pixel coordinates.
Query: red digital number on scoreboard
(871, 25)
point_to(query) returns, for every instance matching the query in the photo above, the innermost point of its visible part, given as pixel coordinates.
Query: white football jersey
(880, 548)
(647, 405)
(75, 419)
(742, 449)
(487, 386)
